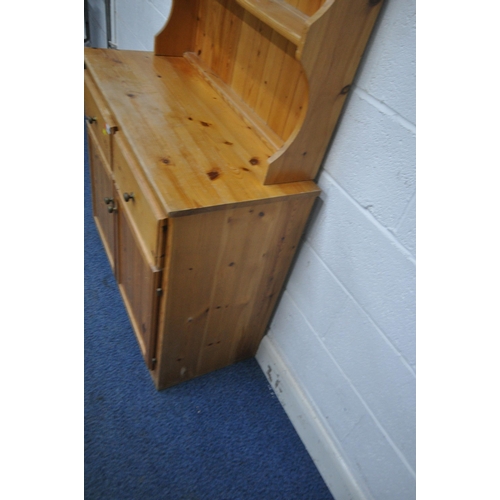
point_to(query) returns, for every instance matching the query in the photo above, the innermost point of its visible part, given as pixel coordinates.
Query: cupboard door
(103, 199)
(139, 282)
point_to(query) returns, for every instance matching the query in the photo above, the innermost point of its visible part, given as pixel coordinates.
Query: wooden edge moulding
(203, 156)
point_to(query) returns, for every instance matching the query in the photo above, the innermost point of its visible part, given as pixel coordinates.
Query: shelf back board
(285, 66)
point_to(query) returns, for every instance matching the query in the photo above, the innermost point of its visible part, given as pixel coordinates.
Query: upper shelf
(284, 67)
(279, 15)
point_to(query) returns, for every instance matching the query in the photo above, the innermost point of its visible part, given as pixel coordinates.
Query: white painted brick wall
(345, 327)
(376, 165)
(388, 70)
(366, 445)
(137, 21)
(346, 324)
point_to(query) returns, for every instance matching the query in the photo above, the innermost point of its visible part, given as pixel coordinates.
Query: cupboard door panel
(103, 199)
(139, 283)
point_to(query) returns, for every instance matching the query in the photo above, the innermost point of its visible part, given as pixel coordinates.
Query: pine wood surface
(195, 151)
(102, 187)
(98, 117)
(143, 210)
(182, 25)
(249, 116)
(128, 239)
(308, 7)
(256, 62)
(225, 273)
(291, 62)
(279, 15)
(217, 135)
(330, 56)
(138, 281)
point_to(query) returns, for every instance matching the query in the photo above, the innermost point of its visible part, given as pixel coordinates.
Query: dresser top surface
(195, 151)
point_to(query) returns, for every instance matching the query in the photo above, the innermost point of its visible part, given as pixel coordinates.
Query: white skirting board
(325, 453)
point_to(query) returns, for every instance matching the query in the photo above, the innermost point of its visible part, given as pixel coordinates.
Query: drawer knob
(128, 196)
(91, 119)
(112, 208)
(108, 200)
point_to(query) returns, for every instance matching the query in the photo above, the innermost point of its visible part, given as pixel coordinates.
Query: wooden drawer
(138, 200)
(99, 118)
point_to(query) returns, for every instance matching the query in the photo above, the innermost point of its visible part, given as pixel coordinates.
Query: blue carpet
(223, 436)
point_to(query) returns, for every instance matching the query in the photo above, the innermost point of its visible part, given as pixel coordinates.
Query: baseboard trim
(321, 446)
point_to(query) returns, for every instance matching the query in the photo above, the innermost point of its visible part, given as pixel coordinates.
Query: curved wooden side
(330, 56)
(179, 32)
(291, 70)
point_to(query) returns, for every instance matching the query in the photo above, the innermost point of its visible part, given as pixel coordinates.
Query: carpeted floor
(223, 436)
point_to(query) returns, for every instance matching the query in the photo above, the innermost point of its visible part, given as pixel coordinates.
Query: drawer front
(99, 118)
(138, 200)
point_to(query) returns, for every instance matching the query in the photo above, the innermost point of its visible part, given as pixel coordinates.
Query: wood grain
(232, 99)
(217, 134)
(256, 64)
(226, 270)
(280, 16)
(99, 118)
(138, 281)
(102, 187)
(195, 151)
(178, 34)
(330, 56)
(307, 7)
(291, 62)
(144, 213)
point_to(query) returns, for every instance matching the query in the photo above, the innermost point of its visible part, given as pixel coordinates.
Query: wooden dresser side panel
(225, 273)
(330, 57)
